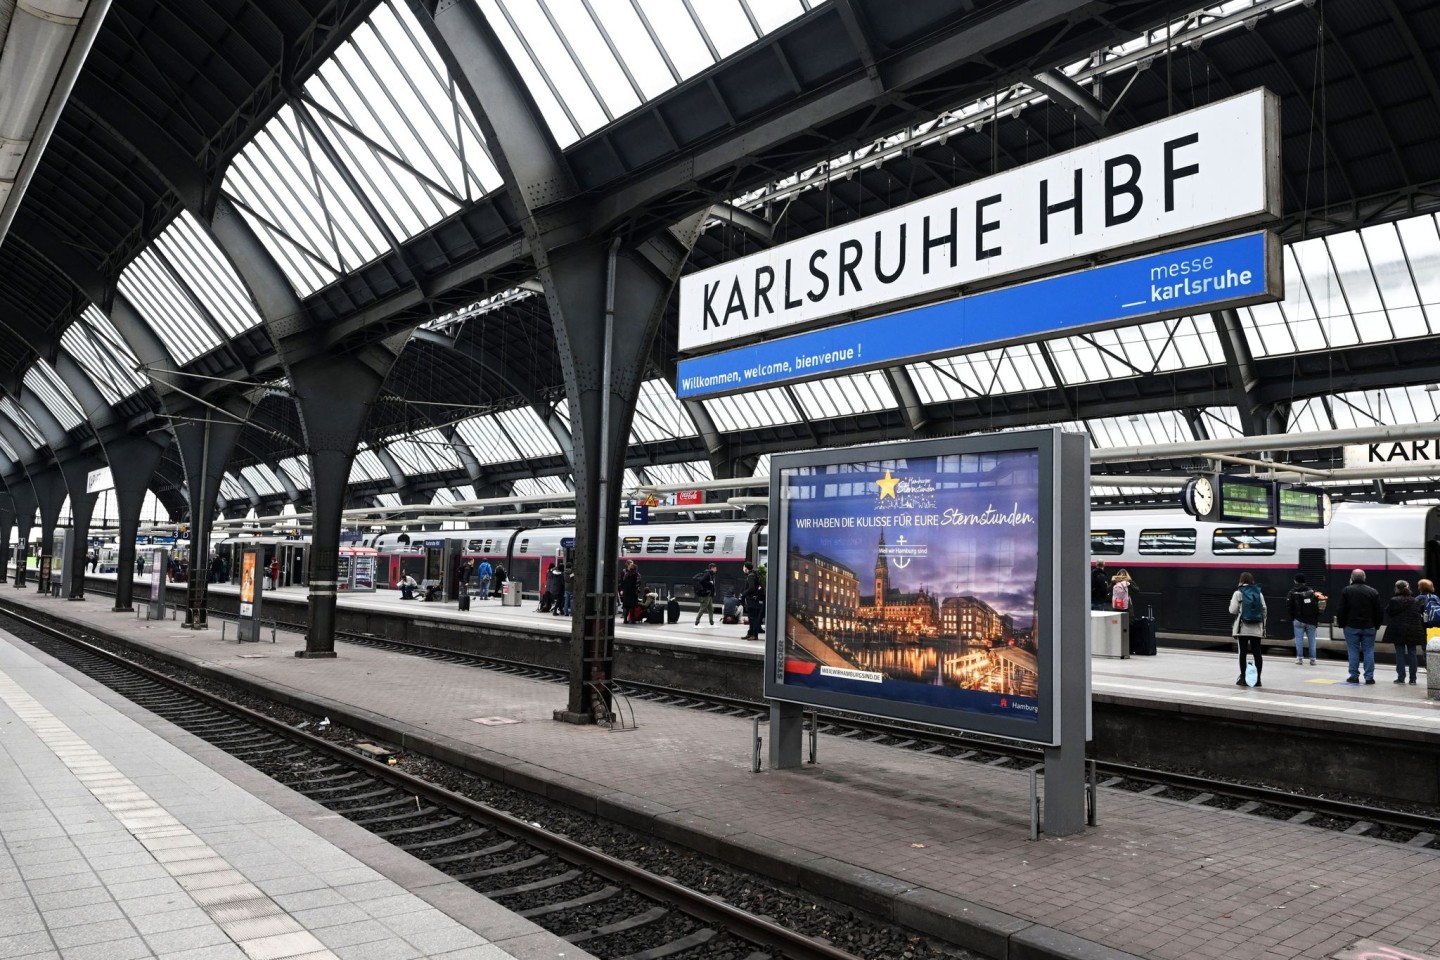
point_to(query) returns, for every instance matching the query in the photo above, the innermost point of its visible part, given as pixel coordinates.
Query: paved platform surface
(123, 837)
(1175, 677)
(934, 842)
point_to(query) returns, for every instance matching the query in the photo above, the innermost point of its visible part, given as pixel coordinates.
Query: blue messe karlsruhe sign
(1192, 279)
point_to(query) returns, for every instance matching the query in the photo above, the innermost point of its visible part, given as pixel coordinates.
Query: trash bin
(510, 595)
(1109, 636)
(1432, 668)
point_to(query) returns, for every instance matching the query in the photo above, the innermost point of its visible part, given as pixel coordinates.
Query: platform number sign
(639, 513)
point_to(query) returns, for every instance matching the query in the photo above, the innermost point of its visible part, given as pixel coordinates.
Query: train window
(525, 545)
(658, 545)
(1173, 543)
(488, 545)
(1107, 542)
(689, 544)
(1244, 541)
(729, 544)
(473, 546)
(630, 545)
(709, 544)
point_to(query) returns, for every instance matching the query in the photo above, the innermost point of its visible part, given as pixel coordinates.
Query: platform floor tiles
(116, 844)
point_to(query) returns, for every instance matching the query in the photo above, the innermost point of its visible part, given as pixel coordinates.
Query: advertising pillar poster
(159, 564)
(248, 561)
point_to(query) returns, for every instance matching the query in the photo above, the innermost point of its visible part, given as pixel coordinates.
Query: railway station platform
(123, 837)
(939, 845)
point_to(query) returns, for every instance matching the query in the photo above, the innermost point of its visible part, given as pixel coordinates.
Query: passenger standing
(1359, 612)
(498, 577)
(753, 594)
(1099, 586)
(705, 593)
(275, 572)
(569, 589)
(1247, 605)
(1405, 627)
(485, 573)
(1303, 607)
(1430, 604)
(630, 590)
(1122, 591)
(465, 571)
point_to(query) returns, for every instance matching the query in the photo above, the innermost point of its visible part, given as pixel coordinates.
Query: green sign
(1244, 499)
(1301, 506)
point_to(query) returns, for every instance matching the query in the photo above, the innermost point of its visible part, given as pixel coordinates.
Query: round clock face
(1203, 494)
(1327, 509)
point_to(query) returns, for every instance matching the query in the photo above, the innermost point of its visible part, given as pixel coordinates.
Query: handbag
(1380, 633)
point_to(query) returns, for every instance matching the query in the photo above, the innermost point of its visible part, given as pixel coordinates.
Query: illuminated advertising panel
(1245, 500)
(248, 561)
(921, 581)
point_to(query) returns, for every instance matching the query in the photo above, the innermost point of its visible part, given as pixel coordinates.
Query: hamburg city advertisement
(915, 580)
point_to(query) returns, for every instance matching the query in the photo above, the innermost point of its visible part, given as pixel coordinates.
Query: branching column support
(76, 474)
(134, 461)
(22, 498)
(206, 443)
(7, 520)
(50, 497)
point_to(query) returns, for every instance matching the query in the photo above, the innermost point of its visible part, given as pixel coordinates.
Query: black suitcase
(672, 610)
(656, 614)
(464, 601)
(1142, 636)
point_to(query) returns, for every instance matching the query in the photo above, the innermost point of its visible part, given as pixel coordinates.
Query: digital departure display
(1301, 506)
(1243, 499)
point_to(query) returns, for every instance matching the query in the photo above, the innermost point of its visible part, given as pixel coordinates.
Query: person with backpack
(484, 572)
(1247, 604)
(1359, 612)
(1405, 627)
(705, 593)
(1122, 591)
(1303, 606)
(753, 595)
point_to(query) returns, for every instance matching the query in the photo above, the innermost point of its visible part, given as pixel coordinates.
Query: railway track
(1342, 815)
(605, 905)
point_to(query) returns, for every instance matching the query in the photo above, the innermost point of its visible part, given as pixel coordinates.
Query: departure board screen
(1243, 499)
(1301, 506)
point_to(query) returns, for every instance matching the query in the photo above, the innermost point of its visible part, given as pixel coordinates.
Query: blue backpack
(1430, 609)
(1252, 604)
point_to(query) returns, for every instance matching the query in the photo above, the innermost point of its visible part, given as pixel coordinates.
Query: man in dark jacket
(1303, 606)
(753, 594)
(1359, 612)
(1099, 587)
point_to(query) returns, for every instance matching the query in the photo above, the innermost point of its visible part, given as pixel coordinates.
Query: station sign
(99, 479)
(639, 513)
(1198, 278)
(1226, 498)
(1197, 174)
(1422, 453)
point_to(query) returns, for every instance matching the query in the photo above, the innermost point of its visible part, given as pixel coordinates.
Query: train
(1186, 570)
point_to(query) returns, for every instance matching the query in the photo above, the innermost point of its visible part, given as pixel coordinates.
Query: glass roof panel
(844, 396)
(103, 354)
(539, 486)
(528, 433)
(1396, 293)
(385, 101)
(984, 373)
(22, 422)
(1368, 408)
(298, 203)
(1361, 296)
(387, 500)
(658, 415)
(156, 293)
(367, 466)
(486, 441)
(440, 450)
(1421, 239)
(263, 479)
(762, 465)
(587, 62)
(207, 276)
(1142, 429)
(1308, 416)
(298, 470)
(1222, 422)
(46, 384)
(562, 411)
(759, 408)
(663, 474)
(232, 490)
(8, 450)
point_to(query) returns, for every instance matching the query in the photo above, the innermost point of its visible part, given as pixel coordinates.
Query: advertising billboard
(248, 561)
(159, 573)
(1196, 174)
(921, 581)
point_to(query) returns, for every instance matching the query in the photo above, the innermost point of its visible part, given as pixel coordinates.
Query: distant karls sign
(1176, 179)
(1425, 452)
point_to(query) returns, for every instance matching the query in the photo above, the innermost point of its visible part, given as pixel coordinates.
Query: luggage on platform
(672, 610)
(656, 614)
(1142, 635)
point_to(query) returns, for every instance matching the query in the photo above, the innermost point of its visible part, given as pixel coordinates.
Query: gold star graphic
(887, 485)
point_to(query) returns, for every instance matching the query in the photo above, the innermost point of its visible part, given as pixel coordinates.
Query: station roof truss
(334, 129)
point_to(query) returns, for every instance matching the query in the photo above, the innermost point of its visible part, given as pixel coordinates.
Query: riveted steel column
(133, 462)
(76, 474)
(50, 496)
(206, 444)
(22, 497)
(7, 520)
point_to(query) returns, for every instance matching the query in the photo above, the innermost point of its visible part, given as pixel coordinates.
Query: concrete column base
(316, 654)
(570, 716)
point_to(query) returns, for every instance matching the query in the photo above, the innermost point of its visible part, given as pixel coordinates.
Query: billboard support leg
(1065, 789)
(787, 728)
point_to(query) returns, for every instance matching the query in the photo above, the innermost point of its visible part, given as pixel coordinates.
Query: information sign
(924, 581)
(1199, 278)
(99, 479)
(1178, 179)
(251, 590)
(639, 513)
(159, 569)
(1246, 500)
(1301, 506)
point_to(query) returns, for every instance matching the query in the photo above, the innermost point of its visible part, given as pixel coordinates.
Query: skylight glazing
(761, 408)
(425, 453)
(1160, 346)
(539, 486)
(983, 374)
(667, 474)
(156, 293)
(486, 440)
(658, 415)
(525, 429)
(844, 396)
(263, 479)
(1142, 429)
(207, 276)
(53, 395)
(298, 470)
(586, 62)
(232, 490)
(22, 422)
(367, 466)
(103, 354)
(8, 450)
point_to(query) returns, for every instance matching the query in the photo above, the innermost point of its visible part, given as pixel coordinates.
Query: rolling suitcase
(1142, 634)
(656, 614)
(672, 610)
